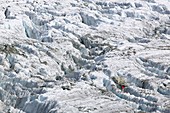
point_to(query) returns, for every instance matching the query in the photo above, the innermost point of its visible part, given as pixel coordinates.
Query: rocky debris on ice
(78, 56)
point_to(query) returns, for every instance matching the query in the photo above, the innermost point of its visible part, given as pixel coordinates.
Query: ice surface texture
(76, 56)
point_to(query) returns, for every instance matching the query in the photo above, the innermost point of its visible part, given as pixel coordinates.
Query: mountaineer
(120, 81)
(7, 12)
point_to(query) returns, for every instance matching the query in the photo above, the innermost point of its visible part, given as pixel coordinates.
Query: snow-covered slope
(75, 56)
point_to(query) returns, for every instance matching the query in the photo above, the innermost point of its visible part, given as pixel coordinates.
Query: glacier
(84, 56)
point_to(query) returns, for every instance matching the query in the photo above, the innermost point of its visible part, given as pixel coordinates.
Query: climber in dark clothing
(7, 12)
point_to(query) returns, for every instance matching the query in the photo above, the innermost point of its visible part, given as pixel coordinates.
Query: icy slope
(74, 56)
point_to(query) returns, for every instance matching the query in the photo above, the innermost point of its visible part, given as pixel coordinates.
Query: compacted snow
(84, 56)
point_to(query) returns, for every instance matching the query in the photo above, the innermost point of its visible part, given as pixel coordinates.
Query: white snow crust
(74, 56)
